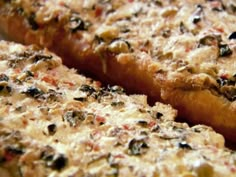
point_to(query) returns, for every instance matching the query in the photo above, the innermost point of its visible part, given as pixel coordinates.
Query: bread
(177, 52)
(55, 122)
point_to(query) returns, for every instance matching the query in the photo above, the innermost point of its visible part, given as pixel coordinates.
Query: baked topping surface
(184, 40)
(55, 122)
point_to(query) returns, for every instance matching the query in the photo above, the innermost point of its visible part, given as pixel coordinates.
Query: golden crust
(184, 65)
(222, 113)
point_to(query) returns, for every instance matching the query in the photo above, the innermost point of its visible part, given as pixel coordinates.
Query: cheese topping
(191, 46)
(54, 122)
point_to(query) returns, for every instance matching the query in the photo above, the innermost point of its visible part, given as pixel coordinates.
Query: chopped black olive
(229, 92)
(159, 115)
(233, 98)
(39, 57)
(232, 35)
(25, 54)
(20, 10)
(125, 30)
(87, 88)
(14, 150)
(178, 129)
(231, 81)
(166, 33)
(210, 40)
(4, 77)
(167, 137)
(157, 2)
(1, 88)
(29, 73)
(100, 93)
(32, 22)
(47, 153)
(118, 103)
(115, 170)
(222, 81)
(197, 130)
(76, 23)
(82, 99)
(232, 8)
(20, 57)
(119, 45)
(137, 147)
(184, 145)
(5, 89)
(58, 162)
(74, 117)
(52, 128)
(182, 28)
(52, 160)
(113, 165)
(196, 19)
(120, 39)
(143, 123)
(19, 108)
(52, 95)
(144, 133)
(18, 81)
(156, 128)
(198, 13)
(224, 50)
(33, 92)
(98, 39)
(115, 89)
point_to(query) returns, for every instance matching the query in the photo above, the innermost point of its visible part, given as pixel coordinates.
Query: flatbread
(179, 52)
(57, 123)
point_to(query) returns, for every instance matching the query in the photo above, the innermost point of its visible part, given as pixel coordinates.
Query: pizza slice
(55, 122)
(179, 52)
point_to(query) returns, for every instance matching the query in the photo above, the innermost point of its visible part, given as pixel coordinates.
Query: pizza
(178, 52)
(55, 122)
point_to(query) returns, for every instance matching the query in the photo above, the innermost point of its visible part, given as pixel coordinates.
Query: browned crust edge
(205, 108)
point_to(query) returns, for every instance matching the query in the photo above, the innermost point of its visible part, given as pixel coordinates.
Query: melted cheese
(55, 122)
(167, 33)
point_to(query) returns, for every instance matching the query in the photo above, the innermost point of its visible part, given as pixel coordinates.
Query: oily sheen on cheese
(180, 52)
(55, 122)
